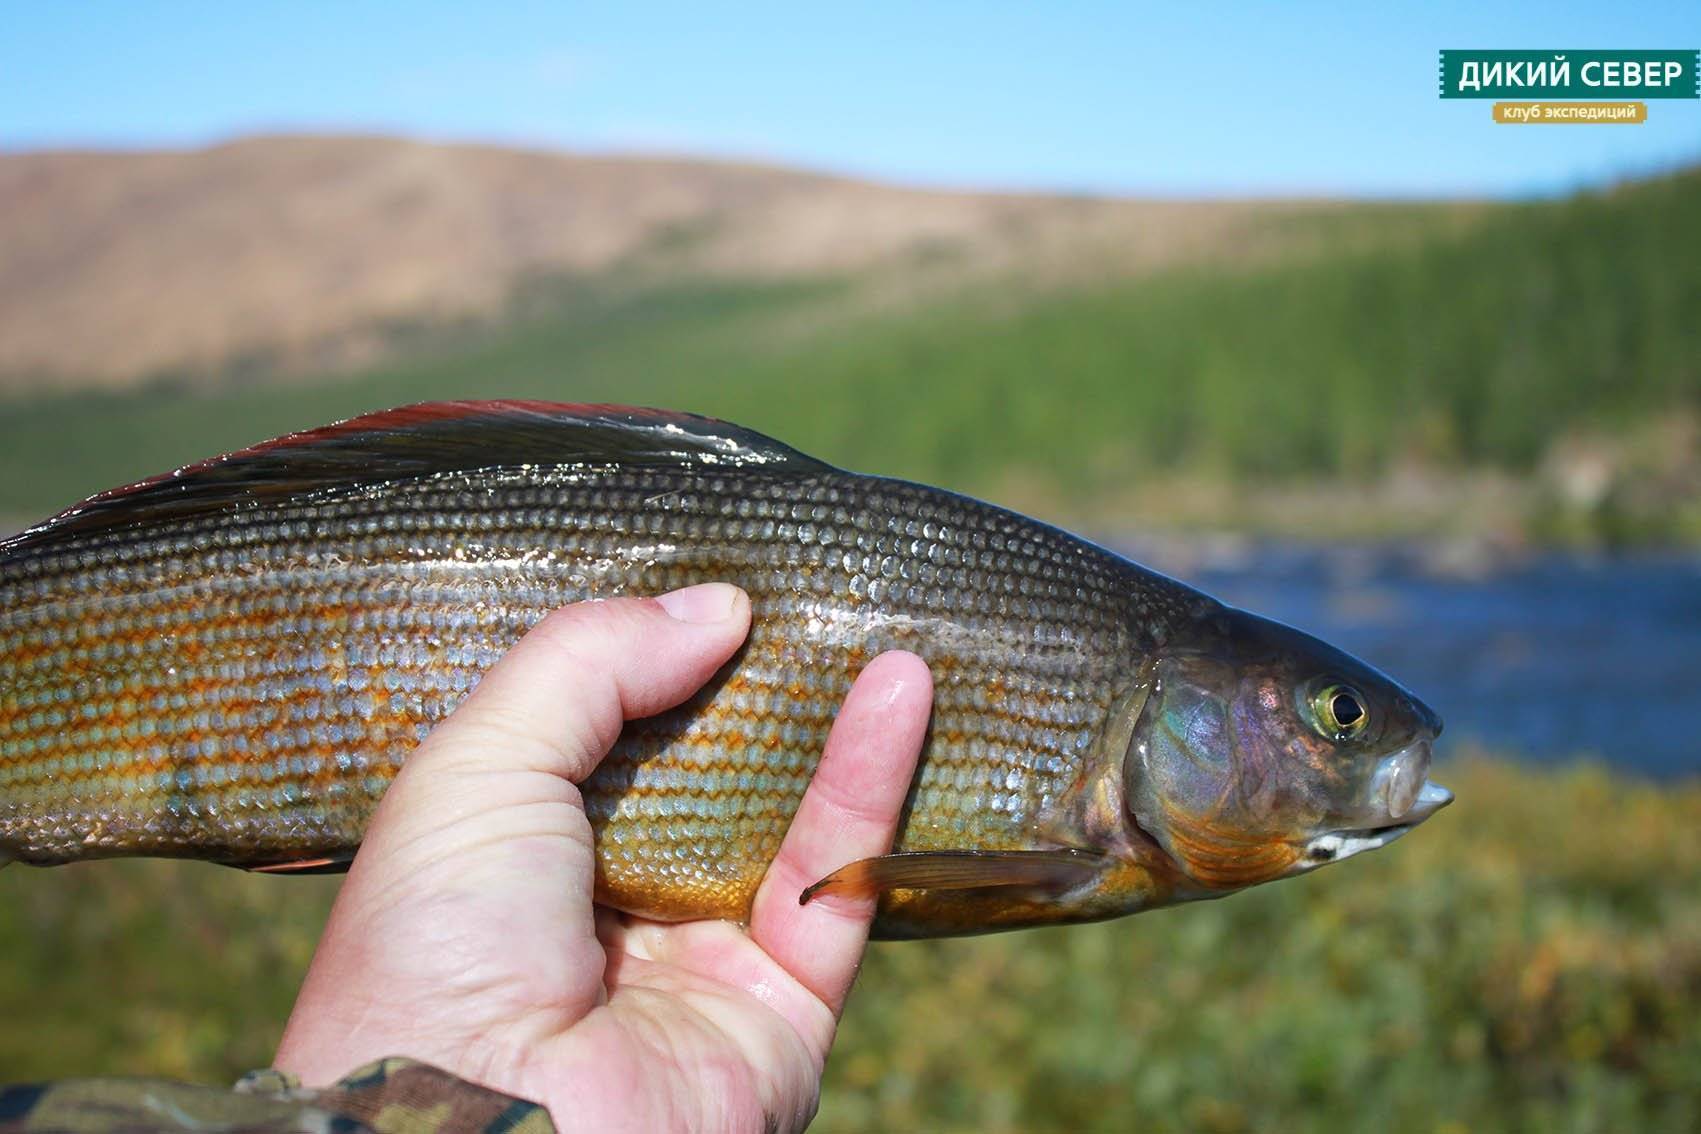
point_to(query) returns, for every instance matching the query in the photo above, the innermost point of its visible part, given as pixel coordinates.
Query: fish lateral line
(958, 870)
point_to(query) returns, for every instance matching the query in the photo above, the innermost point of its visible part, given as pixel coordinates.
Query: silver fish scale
(243, 686)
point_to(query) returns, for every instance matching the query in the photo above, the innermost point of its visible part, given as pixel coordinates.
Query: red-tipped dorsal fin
(419, 440)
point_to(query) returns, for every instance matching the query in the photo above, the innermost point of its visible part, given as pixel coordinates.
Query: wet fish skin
(230, 662)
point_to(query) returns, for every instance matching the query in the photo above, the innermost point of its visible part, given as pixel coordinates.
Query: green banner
(1570, 74)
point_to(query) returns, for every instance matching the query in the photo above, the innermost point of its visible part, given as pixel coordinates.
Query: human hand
(465, 936)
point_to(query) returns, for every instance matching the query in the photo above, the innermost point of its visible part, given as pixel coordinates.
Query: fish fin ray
(957, 870)
(337, 863)
(417, 441)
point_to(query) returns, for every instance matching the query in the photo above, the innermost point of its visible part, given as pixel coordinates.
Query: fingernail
(706, 602)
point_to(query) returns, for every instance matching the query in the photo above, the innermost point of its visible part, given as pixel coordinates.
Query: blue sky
(1212, 99)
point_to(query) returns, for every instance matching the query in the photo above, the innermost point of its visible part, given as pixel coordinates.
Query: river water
(1548, 657)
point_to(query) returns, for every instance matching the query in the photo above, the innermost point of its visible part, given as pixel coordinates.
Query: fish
(229, 662)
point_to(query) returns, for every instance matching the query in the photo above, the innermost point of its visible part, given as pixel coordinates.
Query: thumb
(475, 876)
(554, 704)
(556, 701)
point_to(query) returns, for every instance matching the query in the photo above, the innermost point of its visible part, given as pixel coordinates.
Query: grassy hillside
(1476, 348)
(294, 252)
(1529, 961)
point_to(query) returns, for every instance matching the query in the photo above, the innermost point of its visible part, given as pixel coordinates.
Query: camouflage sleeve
(392, 1096)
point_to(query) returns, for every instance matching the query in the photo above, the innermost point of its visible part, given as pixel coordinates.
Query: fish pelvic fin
(328, 864)
(1058, 870)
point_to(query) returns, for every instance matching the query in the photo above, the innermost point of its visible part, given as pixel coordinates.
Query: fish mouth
(1332, 846)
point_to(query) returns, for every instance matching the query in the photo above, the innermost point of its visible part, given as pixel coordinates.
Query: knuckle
(852, 805)
(597, 625)
(501, 731)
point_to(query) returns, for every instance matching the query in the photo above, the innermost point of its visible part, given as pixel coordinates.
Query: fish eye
(1340, 712)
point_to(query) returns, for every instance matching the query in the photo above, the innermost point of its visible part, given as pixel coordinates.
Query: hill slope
(305, 253)
(1539, 368)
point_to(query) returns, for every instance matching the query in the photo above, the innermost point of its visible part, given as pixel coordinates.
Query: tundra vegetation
(1529, 960)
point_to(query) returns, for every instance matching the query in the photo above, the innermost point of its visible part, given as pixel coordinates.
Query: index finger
(850, 811)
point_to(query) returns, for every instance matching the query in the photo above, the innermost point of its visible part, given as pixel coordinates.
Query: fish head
(1261, 752)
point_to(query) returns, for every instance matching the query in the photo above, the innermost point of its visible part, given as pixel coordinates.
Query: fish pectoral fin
(958, 870)
(329, 864)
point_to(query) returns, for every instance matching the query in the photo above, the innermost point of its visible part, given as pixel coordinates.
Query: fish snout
(1431, 799)
(1401, 796)
(1429, 721)
(1398, 784)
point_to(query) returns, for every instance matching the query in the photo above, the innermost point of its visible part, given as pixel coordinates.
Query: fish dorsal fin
(421, 440)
